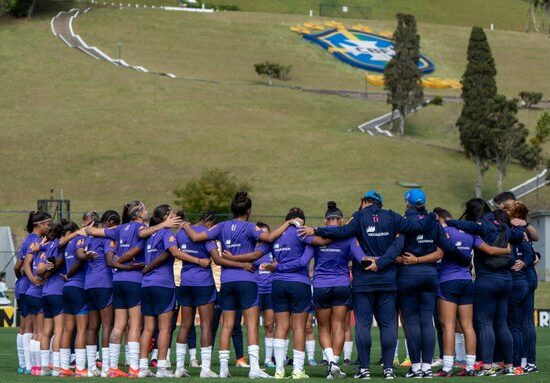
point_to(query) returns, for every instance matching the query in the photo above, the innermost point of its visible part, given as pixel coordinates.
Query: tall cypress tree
(479, 90)
(401, 75)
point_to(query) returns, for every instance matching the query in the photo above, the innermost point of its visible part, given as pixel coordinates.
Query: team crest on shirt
(371, 229)
(458, 243)
(79, 242)
(171, 239)
(43, 256)
(112, 244)
(184, 246)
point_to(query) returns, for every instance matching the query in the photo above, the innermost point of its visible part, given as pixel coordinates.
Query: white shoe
(194, 363)
(208, 374)
(164, 373)
(225, 374)
(93, 373)
(145, 373)
(104, 374)
(181, 373)
(437, 363)
(335, 371)
(258, 374)
(45, 371)
(55, 371)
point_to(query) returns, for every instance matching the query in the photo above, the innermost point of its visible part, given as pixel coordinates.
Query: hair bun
(331, 205)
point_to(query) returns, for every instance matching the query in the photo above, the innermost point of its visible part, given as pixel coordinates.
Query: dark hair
(208, 216)
(333, 211)
(159, 214)
(262, 225)
(36, 217)
(241, 204)
(132, 210)
(442, 213)
(110, 216)
(91, 215)
(475, 209)
(502, 217)
(69, 227)
(181, 214)
(295, 212)
(56, 231)
(503, 197)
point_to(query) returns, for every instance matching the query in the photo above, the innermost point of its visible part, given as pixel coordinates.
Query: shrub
(530, 98)
(273, 70)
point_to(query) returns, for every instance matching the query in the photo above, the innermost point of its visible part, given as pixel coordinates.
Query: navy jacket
(523, 251)
(377, 231)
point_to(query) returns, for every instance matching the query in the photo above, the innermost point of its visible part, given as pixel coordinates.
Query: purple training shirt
(77, 280)
(192, 274)
(98, 273)
(126, 236)
(264, 278)
(163, 275)
(54, 284)
(23, 283)
(38, 258)
(289, 247)
(449, 269)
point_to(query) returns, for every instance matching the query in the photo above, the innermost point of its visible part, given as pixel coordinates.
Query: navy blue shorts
(22, 305)
(99, 298)
(195, 296)
(74, 301)
(53, 305)
(326, 297)
(459, 291)
(265, 302)
(238, 296)
(34, 305)
(157, 300)
(126, 294)
(293, 297)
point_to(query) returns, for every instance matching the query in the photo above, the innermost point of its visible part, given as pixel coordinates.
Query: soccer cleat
(530, 368)
(133, 373)
(389, 374)
(80, 373)
(258, 374)
(21, 371)
(489, 372)
(519, 371)
(145, 373)
(45, 371)
(93, 373)
(363, 373)
(55, 371)
(117, 373)
(347, 362)
(324, 362)
(241, 362)
(478, 365)
(269, 364)
(299, 374)
(208, 374)
(406, 363)
(396, 362)
(414, 374)
(465, 372)
(443, 374)
(279, 374)
(509, 371)
(437, 363)
(312, 362)
(33, 370)
(428, 374)
(181, 373)
(334, 371)
(164, 373)
(225, 374)
(154, 363)
(194, 363)
(104, 374)
(65, 373)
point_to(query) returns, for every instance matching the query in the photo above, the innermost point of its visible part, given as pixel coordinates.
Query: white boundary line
(65, 41)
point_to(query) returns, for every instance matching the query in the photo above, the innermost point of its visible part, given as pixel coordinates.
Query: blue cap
(373, 194)
(415, 197)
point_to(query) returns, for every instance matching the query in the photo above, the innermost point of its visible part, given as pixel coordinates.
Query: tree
(532, 156)
(273, 70)
(530, 98)
(542, 6)
(401, 75)
(479, 90)
(21, 8)
(213, 190)
(507, 135)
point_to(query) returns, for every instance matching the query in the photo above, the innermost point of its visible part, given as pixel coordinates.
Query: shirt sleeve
(356, 251)
(297, 263)
(169, 240)
(80, 243)
(111, 233)
(477, 241)
(254, 232)
(414, 225)
(210, 245)
(264, 248)
(467, 226)
(351, 229)
(109, 246)
(391, 252)
(307, 239)
(215, 231)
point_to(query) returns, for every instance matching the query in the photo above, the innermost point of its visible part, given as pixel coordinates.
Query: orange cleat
(519, 371)
(65, 373)
(80, 373)
(133, 373)
(117, 373)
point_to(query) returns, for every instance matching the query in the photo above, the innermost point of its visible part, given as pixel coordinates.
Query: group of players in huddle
(474, 276)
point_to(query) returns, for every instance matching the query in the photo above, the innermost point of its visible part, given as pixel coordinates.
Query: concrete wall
(7, 252)
(541, 221)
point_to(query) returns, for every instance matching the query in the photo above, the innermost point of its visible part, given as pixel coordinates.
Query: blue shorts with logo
(34, 305)
(74, 301)
(99, 298)
(157, 300)
(293, 297)
(53, 305)
(458, 291)
(126, 294)
(265, 302)
(22, 305)
(326, 297)
(195, 296)
(238, 296)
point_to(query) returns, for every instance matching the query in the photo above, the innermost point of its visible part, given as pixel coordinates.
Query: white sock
(396, 355)
(336, 359)
(162, 364)
(33, 353)
(407, 349)
(144, 364)
(44, 358)
(299, 357)
(56, 359)
(106, 360)
(224, 361)
(280, 356)
(523, 362)
(470, 361)
(80, 358)
(416, 366)
(426, 366)
(287, 342)
(348, 349)
(91, 353)
(133, 350)
(460, 350)
(310, 348)
(329, 354)
(168, 364)
(254, 357)
(181, 350)
(20, 351)
(268, 349)
(65, 358)
(192, 354)
(324, 355)
(206, 358)
(126, 354)
(448, 362)
(114, 354)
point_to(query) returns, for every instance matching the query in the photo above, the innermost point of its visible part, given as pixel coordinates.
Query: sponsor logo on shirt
(183, 246)
(371, 229)
(371, 232)
(420, 239)
(458, 243)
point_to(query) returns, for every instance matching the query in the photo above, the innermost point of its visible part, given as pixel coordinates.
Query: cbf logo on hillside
(359, 48)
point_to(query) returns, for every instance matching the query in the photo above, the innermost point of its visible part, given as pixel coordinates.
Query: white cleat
(145, 373)
(55, 371)
(93, 373)
(258, 374)
(225, 374)
(194, 363)
(335, 371)
(208, 374)
(181, 373)
(104, 374)
(164, 373)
